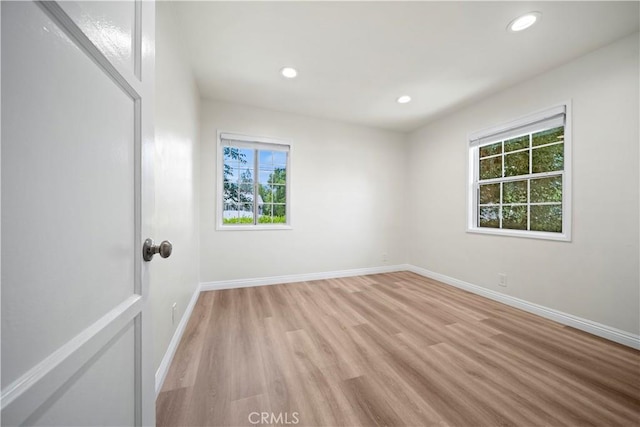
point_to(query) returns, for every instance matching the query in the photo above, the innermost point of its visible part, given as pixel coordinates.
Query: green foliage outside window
(261, 220)
(531, 203)
(516, 143)
(274, 196)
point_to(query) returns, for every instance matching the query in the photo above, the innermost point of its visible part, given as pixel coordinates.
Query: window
(253, 177)
(519, 177)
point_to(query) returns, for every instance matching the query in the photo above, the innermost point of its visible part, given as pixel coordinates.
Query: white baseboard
(163, 369)
(292, 278)
(604, 331)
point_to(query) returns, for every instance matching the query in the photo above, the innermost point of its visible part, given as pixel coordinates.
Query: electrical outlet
(174, 308)
(385, 257)
(502, 279)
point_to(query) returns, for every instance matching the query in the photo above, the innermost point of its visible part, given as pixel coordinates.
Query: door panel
(54, 249)
(77, 135)
(113, 371)
(110, 25)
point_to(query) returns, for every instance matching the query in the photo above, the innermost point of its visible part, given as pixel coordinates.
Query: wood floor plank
(210, 396)
(343, 310)
(393, 349)
(278, 368)
(170, 406)
(187, 358)
(259, 302)
(280, 308)
(244, 349)
(316, 378)
(368, 402)
(244, 412)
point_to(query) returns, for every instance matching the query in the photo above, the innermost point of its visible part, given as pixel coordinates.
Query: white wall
(176, 181)
(596, 276)
(347, 192)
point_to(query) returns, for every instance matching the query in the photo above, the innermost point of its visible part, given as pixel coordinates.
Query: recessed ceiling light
(523, 22)
(403, 99)
(289, 72)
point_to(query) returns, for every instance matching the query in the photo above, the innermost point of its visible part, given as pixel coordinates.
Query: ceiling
(355, 58)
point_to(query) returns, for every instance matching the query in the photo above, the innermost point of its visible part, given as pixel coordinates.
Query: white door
(77, 135)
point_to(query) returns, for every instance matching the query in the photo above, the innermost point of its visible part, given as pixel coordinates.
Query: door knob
(149, 249)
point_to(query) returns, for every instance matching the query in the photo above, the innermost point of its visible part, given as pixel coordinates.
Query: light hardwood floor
(390, 349)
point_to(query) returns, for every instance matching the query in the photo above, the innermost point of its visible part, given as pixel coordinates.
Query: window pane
(264, 176)
(280, 158)
(279, 211)
(227, 153)
(491, 168)
(265, 219)
(514, 192)
(232, 208)
(237, 156)
(265, 168)
(230, 190)
(231, 154)
(266, 159)
(546, 218)
(246, 174)
(265, 194)
(489, 150)
(516, 164)
(546, 189)
(229, 214)
(278, 176)
(489, 216)
(279, 193)
(270, 214)
(550, 158)
(266, 209)
(489, 193)
(516, 143)
(548, 136)
(245, 187)
(231, 174)
(246, 156)
(245, 194)
(514, 217)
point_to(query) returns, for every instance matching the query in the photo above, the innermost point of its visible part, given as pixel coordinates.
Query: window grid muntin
(500, 216)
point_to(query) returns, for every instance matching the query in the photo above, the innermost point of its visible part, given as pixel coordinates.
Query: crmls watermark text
(272, 418)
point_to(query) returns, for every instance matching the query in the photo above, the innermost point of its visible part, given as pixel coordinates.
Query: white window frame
(510, 130)
(258, 142)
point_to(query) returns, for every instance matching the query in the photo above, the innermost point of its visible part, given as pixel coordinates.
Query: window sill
(220, 227)
(562, 237)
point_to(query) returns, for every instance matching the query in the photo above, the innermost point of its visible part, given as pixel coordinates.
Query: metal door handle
(149, 249)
